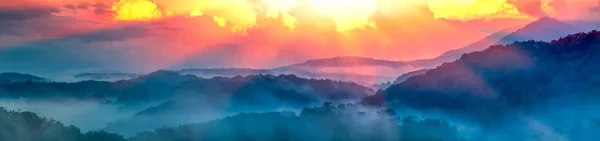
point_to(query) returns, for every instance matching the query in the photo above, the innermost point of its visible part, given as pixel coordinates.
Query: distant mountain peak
(345, 61)
(544, 29)
(18, 77)
(548, 21)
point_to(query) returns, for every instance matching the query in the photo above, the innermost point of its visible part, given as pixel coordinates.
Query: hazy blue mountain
(306, 73)
(182, 96)
(163, 85)
(199, 99)
(227, 72)
(106, 76)
(362, 70)
(405, 76)
(512, 87)
(18, 77)
(345, 61)
(324, 123)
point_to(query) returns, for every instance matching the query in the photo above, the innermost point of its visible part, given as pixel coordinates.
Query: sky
(58, 36)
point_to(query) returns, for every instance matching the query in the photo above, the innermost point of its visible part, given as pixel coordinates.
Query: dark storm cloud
(82, 6)
(20, 14)
(102, 9)
(71, 6)
(12, 19)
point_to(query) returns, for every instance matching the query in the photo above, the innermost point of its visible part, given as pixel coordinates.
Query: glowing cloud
(473, 9)
(137, 10)
(347, 14)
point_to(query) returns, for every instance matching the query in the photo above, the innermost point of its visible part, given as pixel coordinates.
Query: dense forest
(27, 126)
(162, 85)
(551, 82)
(167, 98)
(327, 122)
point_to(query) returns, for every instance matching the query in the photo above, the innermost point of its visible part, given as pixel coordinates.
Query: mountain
(345, 61)
(170, 98)
(231, 72)
(161, 85)
(531, 79)
(225, 72)
(17, 77)
(192, 99)
(455, 54)
(362, 70)
(405, 76)
(106, 76)
(543, 29)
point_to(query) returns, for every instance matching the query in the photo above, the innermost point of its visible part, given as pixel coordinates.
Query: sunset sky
(145, 35)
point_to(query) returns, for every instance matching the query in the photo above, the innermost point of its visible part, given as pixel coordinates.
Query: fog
(87, 115)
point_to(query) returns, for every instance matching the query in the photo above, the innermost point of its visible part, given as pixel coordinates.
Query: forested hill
(162, 85)
(515, 78)
(27, 126)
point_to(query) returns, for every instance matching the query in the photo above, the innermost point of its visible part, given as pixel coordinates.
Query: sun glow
(136, 10)
(473, 9)
(347, 15)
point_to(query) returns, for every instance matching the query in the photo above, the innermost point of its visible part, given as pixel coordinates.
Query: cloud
(25, 13)
(12, 18)
(103, 9)
(530, 7)
(116, 34)
(595, 9)
(77, 6)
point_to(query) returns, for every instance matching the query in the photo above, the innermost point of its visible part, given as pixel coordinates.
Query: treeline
(324, 123)
(27, 126)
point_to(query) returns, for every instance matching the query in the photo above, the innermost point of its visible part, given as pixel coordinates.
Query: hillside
(166, 84)
(106, 76)
(543, 29)
(313, 73)
(524, 77)
(455, 54)
(198, 99)
(345, 61)
(172, 96)
(405, 76)
(27, 126)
